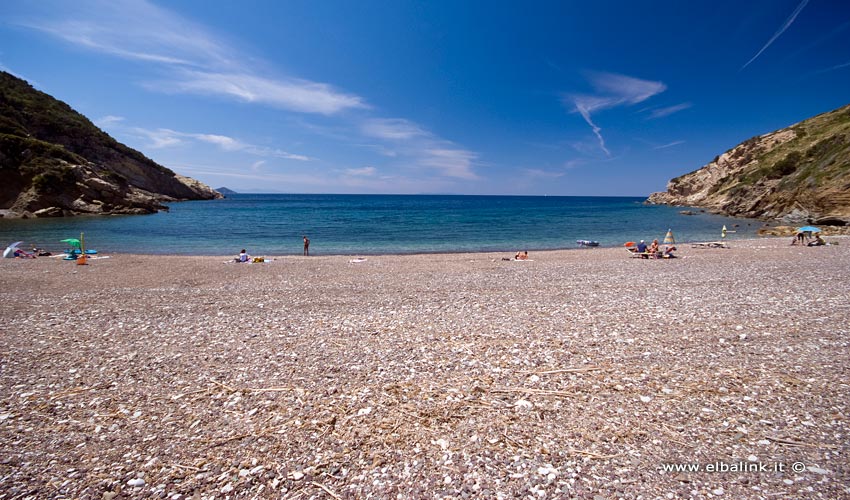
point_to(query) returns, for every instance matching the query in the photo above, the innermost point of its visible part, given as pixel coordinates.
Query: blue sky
(461, 97)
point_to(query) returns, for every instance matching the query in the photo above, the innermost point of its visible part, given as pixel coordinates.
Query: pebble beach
(576, 374)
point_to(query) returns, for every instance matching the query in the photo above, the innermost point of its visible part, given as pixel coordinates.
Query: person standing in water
(306, 246)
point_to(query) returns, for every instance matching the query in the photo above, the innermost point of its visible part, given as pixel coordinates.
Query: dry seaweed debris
(456, 376)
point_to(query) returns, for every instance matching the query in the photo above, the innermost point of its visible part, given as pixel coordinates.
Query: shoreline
(371, 225)
(433, 375)
(501, 253)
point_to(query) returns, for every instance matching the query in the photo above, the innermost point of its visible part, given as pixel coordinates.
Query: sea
(336, 224)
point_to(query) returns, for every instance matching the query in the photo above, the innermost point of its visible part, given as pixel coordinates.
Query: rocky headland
(799, 174)
(55, 162)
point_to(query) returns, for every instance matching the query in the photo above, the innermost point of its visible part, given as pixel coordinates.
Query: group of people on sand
(20, 253)
(653, 250)
(804, 238)
(244, 257)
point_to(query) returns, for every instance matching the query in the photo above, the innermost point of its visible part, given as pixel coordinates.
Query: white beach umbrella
(9, 253)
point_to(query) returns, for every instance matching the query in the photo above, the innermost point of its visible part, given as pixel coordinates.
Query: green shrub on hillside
(54, 180)
(25, 153)
(785, 166)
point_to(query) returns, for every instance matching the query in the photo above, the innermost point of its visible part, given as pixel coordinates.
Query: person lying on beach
(522, 255)
(243, 256)
(40, 252)
(22, 254)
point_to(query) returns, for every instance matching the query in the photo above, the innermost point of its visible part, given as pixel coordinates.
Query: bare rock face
(800, 173)
(50, 212)
(54, 162)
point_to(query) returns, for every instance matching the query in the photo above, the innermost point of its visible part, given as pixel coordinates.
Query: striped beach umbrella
(669, 239)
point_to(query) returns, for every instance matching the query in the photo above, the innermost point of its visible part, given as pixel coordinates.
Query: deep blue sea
(273, 224)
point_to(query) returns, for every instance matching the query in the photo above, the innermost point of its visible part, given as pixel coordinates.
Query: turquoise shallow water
(273, 224)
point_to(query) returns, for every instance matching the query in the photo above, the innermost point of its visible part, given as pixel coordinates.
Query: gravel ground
(579, 374)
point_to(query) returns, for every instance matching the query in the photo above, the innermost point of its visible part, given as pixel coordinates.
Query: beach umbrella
(9, 253)
(669, 239)
(723, 232)
(74, 242)
(629, 244)
(809, 229)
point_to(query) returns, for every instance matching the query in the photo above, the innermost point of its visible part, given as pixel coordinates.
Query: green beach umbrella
(74, 242)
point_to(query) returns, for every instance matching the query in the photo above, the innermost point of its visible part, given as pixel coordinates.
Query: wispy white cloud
(831, 68)
(108, 120)
(787, 24)
(222, 141)
(391, 128)
(450, 162)
(191, 59)
(257, 164)
(317, 181)
(196, 61)
(362, 172)
(541, 174)
(611, 90)
(136, 30)
(582, 108)
(163, 138)
(669, 110)
(291, 94)
(669, 145)
(159, 138)
(420, 147)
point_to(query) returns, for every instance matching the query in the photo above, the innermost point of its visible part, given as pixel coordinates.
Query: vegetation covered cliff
(800, 173)
(55, 162)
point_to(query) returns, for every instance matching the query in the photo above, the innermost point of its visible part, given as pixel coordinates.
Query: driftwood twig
(593, 455)
(529, 390)
(327, 490)
(252, 389)
(566, 370)
(794, 442)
